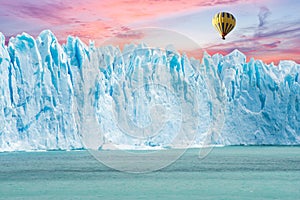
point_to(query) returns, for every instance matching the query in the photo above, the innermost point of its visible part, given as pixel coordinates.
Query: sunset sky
(266, 29)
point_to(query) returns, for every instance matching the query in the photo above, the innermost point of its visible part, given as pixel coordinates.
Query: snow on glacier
(42, 103)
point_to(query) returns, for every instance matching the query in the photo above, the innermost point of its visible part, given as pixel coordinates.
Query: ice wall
(41, 100)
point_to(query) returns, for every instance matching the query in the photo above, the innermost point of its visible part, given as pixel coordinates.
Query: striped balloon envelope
(224, 22)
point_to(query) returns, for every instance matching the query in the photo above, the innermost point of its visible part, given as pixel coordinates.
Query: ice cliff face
(42, 100)
(36, 95)
(263, 101)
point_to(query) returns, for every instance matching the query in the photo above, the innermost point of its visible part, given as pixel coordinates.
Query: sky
(266, 29)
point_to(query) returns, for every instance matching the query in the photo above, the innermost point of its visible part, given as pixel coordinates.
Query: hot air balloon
(224, 22)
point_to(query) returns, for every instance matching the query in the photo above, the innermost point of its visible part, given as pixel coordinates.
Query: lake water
(226, 173)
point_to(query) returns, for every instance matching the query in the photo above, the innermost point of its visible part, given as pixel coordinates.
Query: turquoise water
(226, 173)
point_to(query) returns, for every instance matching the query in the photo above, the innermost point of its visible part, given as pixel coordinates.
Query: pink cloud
(129, 11)
(262, 49)
(99, 20)
(92, 18)
(272, 45)
(131, 35)
(46, 11)
(274, 42)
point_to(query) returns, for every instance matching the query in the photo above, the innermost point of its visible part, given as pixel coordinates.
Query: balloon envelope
(224, 22)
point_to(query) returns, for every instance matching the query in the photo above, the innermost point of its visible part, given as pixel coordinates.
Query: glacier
(53, 96)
